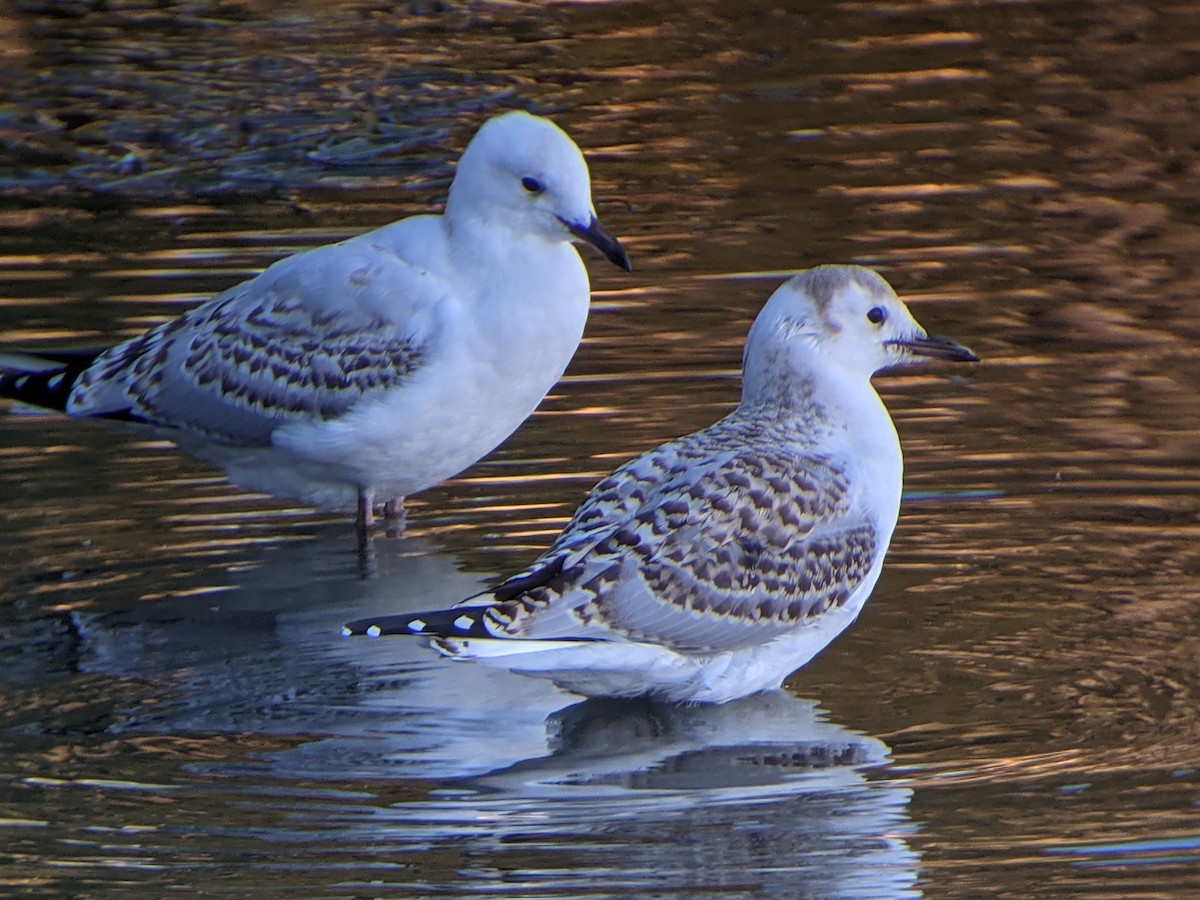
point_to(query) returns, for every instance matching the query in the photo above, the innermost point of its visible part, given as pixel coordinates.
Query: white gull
(378, 366)
(715, 565)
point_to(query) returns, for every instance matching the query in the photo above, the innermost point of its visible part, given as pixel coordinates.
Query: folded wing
(307, 339)
(711, 557)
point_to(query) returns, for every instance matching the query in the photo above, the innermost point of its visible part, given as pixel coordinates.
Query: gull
(376, 367)
(714, 566)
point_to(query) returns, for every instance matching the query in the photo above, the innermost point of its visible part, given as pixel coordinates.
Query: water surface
(1014, 714)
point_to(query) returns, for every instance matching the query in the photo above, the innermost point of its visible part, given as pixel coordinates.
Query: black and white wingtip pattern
(463, 622)
(43, 380)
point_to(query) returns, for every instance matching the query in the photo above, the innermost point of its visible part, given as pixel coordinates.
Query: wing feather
(710, 543)
(307, 339)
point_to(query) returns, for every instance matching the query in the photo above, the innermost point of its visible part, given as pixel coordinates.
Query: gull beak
(599, 237)
(933, 346)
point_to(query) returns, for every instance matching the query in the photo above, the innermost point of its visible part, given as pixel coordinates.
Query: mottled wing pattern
(732, 542)
(259, 355)
(614, 499)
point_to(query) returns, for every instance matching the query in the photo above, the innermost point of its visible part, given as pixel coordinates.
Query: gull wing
(306, 339)
(725, 552)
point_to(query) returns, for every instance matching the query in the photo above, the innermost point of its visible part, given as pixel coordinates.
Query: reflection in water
(1027, 181)
(760, 793)
(517, 769)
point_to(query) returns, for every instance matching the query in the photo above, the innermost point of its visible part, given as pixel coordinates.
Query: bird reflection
(764, 788)
(759, 742)
(764, 791)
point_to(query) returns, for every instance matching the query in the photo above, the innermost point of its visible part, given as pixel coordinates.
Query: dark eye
(532, 185)
(876, 315)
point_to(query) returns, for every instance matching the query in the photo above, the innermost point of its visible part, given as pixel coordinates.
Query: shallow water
(1014, 714)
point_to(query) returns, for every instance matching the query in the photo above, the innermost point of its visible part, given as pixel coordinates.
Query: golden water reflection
(1026, 181)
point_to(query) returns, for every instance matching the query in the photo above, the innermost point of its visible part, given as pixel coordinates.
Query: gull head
(524, 173)
(844, 318)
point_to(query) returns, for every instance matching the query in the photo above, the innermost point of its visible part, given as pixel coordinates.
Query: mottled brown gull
(715, 565)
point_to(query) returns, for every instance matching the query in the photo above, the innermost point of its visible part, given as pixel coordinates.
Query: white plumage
(380, 365)
(713, 566)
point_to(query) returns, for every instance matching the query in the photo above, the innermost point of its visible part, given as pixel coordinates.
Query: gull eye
(876, 315)
(532, 185)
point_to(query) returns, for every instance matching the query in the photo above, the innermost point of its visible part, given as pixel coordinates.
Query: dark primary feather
(458, 621)
(44, 379)
(465, 621)
(539, 575)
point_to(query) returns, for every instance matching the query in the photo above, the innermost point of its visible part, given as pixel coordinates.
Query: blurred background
(1014, 714)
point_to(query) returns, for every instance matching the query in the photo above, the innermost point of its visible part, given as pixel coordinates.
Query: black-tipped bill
(933, 346)
(601, 238)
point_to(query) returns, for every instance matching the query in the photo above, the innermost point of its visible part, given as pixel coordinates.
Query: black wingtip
(49, 389)
(43, 379)
(382, 625)
(459, 622)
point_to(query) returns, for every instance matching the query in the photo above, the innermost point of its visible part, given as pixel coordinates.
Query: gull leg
(365, 520)
(396, 515)
(367, 567)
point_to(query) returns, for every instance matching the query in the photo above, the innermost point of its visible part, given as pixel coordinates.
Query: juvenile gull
(715, 565)
(375, 367)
